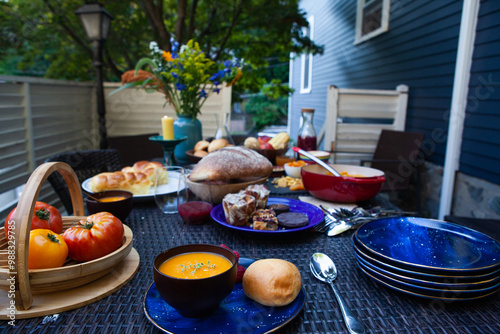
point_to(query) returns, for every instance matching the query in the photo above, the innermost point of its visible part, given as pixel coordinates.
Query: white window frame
(384, 26)
(303, 89)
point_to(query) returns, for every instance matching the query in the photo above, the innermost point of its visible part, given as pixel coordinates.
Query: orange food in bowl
(112, 199)
(299, 163)
(195, 265)
(346, 174)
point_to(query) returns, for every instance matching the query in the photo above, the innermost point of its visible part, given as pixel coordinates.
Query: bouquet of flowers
(185, 75)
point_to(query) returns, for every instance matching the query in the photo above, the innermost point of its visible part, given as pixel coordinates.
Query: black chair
(85, 164)
(398, 155)
(136, 148)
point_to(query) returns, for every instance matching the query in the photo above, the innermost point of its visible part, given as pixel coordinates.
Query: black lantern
(96, 21)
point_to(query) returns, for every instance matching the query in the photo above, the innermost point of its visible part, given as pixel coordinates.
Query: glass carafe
(307, 136)
(222, 129)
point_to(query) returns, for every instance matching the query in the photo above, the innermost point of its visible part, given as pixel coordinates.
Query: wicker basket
(72, 274)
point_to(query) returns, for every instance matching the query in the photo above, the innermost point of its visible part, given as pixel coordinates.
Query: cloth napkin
(328, 205)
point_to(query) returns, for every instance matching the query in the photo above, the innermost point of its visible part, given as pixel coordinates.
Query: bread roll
(229, 163)
(202, 145)
(217, 144)
(272, 282)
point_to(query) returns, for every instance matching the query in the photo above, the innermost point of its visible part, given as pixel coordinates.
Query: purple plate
(314, 214)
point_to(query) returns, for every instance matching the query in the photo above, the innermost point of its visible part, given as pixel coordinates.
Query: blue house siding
(419, 50)
(480, 154)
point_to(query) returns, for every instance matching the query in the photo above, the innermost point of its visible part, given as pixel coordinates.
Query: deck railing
(42, 117)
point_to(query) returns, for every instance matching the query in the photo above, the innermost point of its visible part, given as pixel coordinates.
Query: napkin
(328, 205)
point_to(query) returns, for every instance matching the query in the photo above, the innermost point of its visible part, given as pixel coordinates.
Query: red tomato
(95, 237)
(45, 216)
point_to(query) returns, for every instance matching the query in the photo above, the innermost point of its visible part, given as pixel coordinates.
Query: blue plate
(236, 314)
(429, 244)
(417, 290)
(450, 285)
(434, 277)
(314, 214)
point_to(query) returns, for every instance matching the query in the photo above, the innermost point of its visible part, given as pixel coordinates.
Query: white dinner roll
(272, 282)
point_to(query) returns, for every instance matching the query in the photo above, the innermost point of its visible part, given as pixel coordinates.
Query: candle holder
(168, 147)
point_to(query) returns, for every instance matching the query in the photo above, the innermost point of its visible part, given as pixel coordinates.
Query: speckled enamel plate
(236, 314)
(430, 245)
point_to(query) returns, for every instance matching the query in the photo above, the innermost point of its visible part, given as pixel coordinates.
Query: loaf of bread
(272, 282)
(229, 163)
(136, 183)
(138, 179)
(146, 167)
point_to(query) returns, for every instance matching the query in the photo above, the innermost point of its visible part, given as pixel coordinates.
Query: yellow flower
(167, 56)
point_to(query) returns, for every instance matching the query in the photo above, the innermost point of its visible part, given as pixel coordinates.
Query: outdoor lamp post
(96, 21)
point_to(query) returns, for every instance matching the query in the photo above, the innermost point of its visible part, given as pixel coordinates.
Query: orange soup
(195, 265)
(112, 199)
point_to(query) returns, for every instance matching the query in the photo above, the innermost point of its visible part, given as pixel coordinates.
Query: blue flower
(227, 63)
(175, 75)
(215, 76)
(180, 86)
(203, 94)
(175, 46)
(217, 90)
(215, 83)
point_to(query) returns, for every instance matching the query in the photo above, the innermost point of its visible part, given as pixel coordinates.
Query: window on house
(306, 61)
(372, 19)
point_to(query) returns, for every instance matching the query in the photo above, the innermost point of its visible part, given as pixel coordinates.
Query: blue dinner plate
(314, 214)
(430, 244)
(236, 314)
(425, 291)
(431, 284)
(434, 277)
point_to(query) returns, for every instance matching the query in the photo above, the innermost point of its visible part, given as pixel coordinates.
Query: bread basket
(14, 253)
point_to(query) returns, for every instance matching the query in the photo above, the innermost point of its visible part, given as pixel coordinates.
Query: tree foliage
(45, 37)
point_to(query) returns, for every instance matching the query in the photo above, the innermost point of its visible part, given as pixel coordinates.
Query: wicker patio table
(380, 309)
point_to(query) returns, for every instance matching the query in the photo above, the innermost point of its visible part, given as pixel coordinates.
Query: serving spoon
(90, 196)
(323, 268)
(316, 160)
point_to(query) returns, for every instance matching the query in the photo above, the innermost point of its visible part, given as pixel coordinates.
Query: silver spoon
(323, 268)
(316, 160)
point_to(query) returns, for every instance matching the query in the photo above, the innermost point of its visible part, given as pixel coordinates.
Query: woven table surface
(381, 310)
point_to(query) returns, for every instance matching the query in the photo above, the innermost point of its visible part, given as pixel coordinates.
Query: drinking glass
(195, 201)
(166, 194)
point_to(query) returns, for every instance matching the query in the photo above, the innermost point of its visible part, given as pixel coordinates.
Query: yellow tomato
(47, 249)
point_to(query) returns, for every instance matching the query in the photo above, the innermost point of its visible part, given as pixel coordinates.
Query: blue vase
(186, 126)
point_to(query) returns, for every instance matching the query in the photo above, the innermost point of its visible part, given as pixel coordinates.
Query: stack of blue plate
(428, 258)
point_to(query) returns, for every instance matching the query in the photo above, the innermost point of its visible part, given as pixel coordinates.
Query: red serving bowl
(343, 189)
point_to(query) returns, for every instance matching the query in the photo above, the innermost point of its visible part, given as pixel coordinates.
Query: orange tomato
(46, 250)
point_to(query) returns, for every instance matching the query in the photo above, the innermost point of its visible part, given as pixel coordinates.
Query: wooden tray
(14, 253)
(86, 294)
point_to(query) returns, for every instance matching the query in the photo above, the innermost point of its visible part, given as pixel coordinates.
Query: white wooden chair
(355, 118)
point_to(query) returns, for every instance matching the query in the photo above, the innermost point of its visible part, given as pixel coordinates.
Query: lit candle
(167, 125)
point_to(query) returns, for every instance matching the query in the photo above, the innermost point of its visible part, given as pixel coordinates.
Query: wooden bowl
(72, 274)
(271, 154)
(218, 191)
(192, 158)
